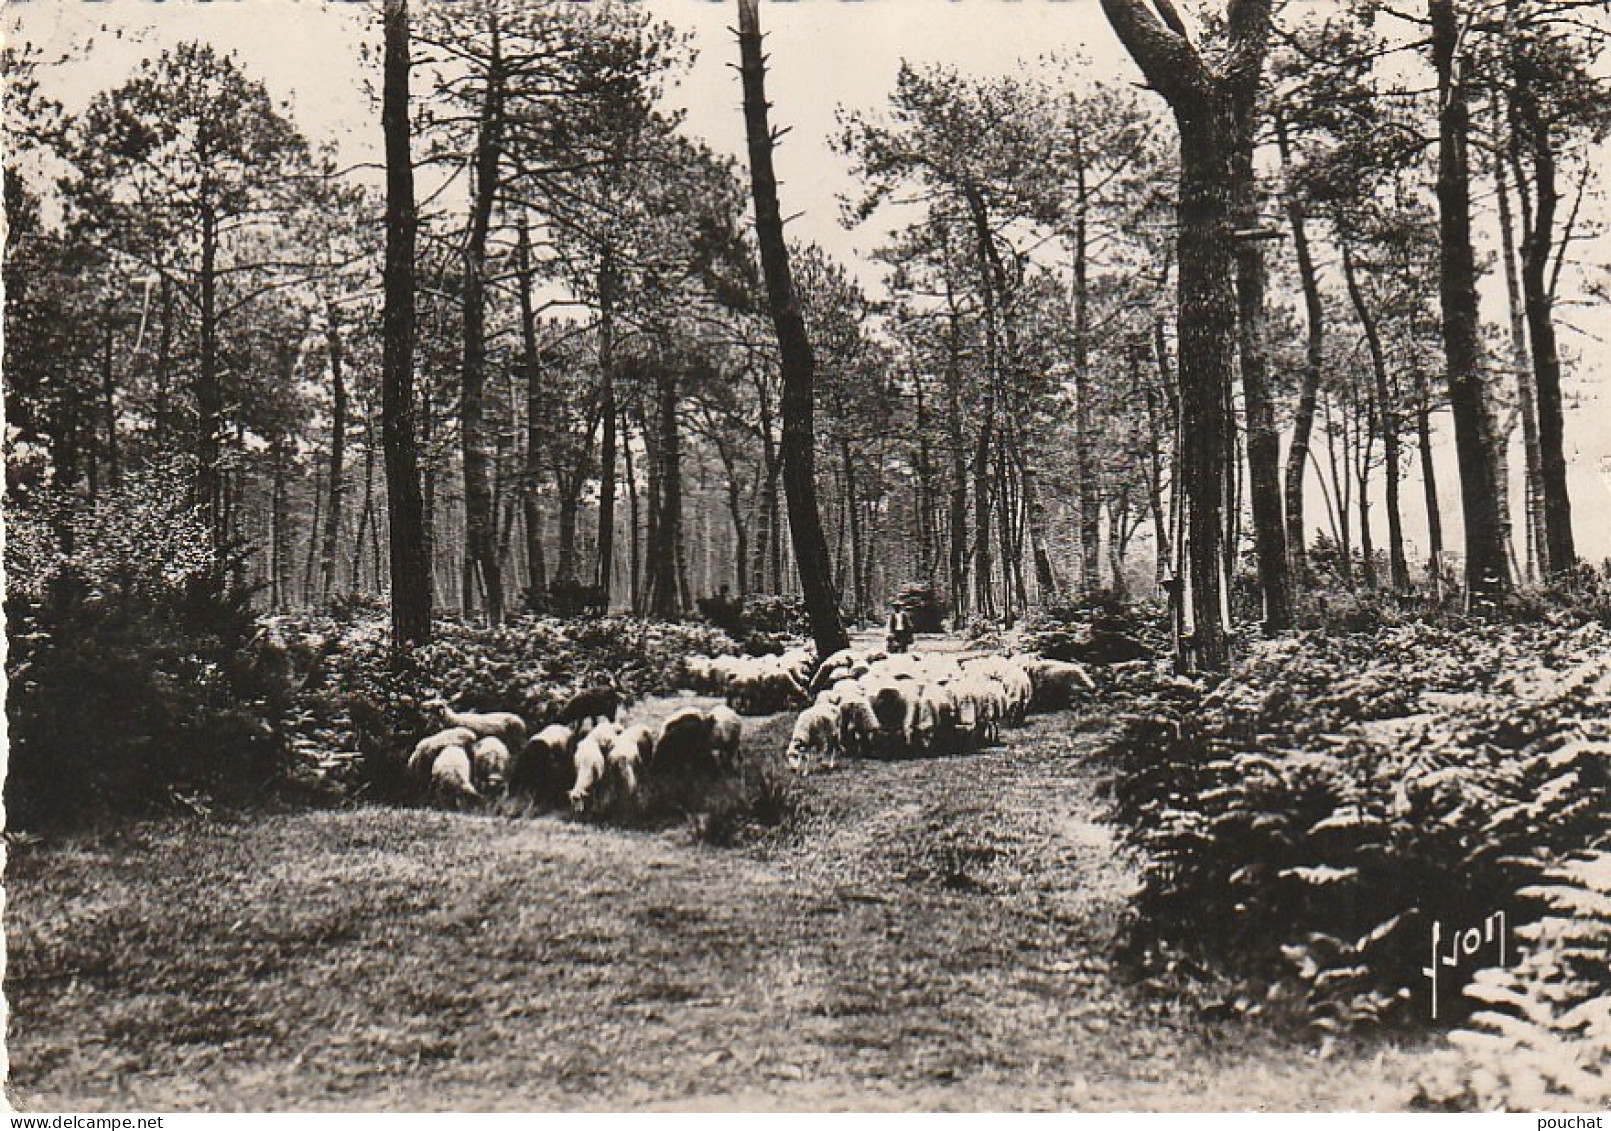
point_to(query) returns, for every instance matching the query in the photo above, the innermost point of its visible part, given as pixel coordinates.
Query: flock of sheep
(585, 759)
(866, 704)
(891, 706)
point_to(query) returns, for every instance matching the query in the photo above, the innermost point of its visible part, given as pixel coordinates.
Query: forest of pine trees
(1098, 359)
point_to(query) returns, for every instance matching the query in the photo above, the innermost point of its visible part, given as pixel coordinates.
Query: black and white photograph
(807, 556)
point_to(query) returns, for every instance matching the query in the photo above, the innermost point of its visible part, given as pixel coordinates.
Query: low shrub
(764, 795)
(139, 677)
(1099, 629)
(1306, 819)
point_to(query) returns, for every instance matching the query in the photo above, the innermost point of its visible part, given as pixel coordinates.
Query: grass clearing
(925, 934)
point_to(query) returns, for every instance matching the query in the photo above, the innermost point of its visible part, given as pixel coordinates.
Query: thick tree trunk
(1526, 395)
(1487, 567)
(799, 366)
(338, 454)
(1303, 417)
(480, 519)
(410, 549)
(1398, 566)
(1263, 438)
(1202, 102)
(1538, 240)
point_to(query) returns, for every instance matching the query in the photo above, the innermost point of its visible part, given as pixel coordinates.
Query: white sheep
(726, 736)
(1056, 683)
(987, 699)
(592, 770)
(857, 723)
(505, 725)
(816, 732)
(426, 750)
(836, 667)
(1012, 678)
(627, 757)
(451, 778)
(489, 761)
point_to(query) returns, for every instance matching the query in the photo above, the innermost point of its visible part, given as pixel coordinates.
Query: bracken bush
(1305, 820)
(139, 677)
(1542, 1035)
(360, 707)
(1099, 629)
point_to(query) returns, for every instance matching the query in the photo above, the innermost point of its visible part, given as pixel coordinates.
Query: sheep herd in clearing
(855, 704)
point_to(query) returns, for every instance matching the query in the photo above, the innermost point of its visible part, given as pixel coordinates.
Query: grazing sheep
(592, 771)
(857, 723)
(489, 761)
(626, 758)
(605, 735)
(426, 750)
(816, 731)
(766, 683)
(505, 725)
(726, 735)
(835, 668)
(684, 744)
(544, 767)
(1056, 684)
(589, 707)
(1012, 678)
(451, 779)
(988, 702)
(892, 708)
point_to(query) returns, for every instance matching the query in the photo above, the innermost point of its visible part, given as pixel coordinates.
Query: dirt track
(934, 934)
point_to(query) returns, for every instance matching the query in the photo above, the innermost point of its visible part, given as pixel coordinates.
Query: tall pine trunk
(1526, 395)
(1538, 239)
(1263, 438)
(799, 366)
(1487, 566)
(481, 562)
(410, 550)
(1203, 102)
(1398, 565)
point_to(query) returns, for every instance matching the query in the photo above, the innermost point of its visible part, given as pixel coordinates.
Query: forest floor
(931, 934)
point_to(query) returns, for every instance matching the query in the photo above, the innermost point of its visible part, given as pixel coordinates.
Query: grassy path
(933, 934)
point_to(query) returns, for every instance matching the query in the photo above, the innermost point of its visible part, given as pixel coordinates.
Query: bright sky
(824, 53)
